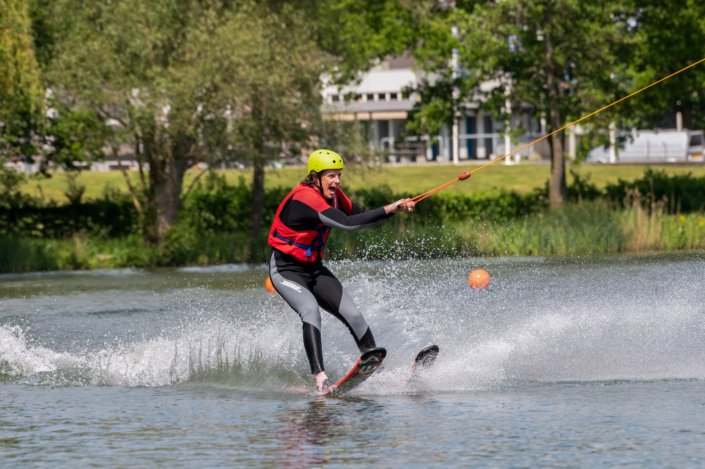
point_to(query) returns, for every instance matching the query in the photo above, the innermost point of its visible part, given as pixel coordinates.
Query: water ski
(365, 366)
(424, 359)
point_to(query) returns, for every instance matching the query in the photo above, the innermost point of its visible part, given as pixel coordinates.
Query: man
(298, 236)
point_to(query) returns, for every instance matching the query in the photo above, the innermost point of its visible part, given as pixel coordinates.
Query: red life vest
(306, 246)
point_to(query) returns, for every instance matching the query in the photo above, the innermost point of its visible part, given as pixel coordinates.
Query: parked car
(649, 146)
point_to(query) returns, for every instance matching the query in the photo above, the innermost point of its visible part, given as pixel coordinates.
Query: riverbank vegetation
(184, 85)
(187, 85)
(522, 178)
(655, 212)
(589, 228)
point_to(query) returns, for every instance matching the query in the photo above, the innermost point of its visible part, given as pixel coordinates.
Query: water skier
(298, 236)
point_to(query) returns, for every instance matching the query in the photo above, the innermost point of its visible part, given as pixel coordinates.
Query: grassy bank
(412, 179)
(580, 229)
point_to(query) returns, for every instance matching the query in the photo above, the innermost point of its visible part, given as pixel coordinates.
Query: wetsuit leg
(292, 283)
(333, 298)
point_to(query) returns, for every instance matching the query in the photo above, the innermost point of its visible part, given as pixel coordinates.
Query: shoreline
(578, 230)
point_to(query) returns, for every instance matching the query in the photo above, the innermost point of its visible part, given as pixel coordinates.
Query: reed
(586, 228)
(578, 229)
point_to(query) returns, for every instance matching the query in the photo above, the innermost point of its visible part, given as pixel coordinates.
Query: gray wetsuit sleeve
(335, 218)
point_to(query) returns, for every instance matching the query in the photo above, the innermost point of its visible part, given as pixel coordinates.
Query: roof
(379, 81)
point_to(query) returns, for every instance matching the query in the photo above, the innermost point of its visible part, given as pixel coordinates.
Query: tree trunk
(258, 159)
(557, 190)
(257, 198)
(688, 119)
(166, 177)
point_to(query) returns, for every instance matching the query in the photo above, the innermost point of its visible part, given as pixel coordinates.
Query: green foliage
(507, 42)
(580, 189)
(70, 136)
(440, 101)
(77, 252)
(349, 138)
(9, 182)
(11, 198)
(215, 207)
(112, 216)
(212, 226)
(679, 193)
(21, 92)
(356, 33)
(186, 82)
(75, 191)
(498, 205)
(588, 228)
(44, 30)
(18, 254)
(670, 36)
(19, 73)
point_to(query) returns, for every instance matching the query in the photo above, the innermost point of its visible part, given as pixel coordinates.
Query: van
(650, 146)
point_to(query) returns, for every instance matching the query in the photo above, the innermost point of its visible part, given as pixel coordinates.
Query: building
(379, 101)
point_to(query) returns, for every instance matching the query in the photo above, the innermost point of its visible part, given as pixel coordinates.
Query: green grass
(414, 179)
(84, 252)
(579, 229)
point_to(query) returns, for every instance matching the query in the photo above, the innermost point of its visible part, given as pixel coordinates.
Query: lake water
(560, 363)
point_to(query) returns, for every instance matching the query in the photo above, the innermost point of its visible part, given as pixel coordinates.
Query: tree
(561, 56)
(670, 36)
(187, 82)
(342, 38)
(21, 92)
(68, 136)
(280, 97)
(190, 82)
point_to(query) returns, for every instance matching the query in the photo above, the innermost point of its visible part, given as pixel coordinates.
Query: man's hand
(403, 205)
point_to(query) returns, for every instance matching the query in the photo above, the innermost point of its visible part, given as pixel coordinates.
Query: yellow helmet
(320, 160)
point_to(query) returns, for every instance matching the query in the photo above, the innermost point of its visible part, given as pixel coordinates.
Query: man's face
(330, 180)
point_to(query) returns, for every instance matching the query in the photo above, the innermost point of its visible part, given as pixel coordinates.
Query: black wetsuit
(306, 286)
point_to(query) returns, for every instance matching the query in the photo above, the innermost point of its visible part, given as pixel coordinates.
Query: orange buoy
(268, 285)
(479, 279)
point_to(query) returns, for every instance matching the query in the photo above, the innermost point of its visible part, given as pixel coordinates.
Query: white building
(378, 99)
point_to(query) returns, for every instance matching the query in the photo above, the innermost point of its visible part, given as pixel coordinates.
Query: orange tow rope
(464, 176)
(420, 197)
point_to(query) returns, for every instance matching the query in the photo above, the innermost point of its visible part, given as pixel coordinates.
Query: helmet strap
(320, 184)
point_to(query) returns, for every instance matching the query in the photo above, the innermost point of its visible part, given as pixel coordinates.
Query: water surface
(561, 362)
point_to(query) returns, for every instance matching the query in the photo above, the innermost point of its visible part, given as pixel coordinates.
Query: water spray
(466, 175)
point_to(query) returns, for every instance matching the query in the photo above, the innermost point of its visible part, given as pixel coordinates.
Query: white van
(648, 146)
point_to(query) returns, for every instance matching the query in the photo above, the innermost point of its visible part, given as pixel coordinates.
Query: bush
(217, 210)
(113, 216)
(217, 207)
(680, 193)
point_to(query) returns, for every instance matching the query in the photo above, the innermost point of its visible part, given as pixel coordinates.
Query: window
(696, 140)
(370, 96)
(393, 96)
(358, 97)
(335, 98)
